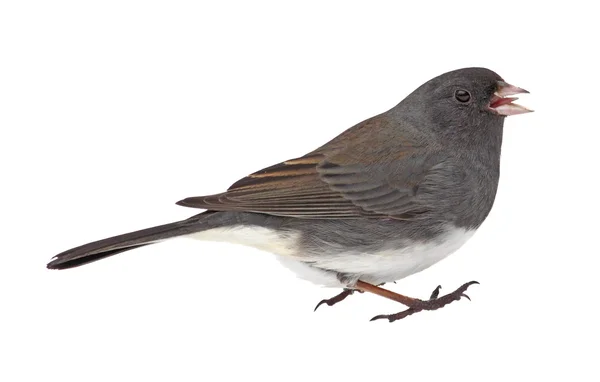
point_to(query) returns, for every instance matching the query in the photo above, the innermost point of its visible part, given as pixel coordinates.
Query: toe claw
(464, 295)
(319, 304)
(379, 317)
(435, 293)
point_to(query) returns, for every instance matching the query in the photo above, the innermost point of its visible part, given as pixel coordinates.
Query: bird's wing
(347, 183)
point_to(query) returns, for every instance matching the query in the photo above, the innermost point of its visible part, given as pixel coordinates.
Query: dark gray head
(469, 100)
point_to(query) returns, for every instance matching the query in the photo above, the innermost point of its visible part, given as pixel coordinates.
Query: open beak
(501, 104)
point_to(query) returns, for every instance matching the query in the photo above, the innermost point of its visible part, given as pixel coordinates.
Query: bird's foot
(433, 303)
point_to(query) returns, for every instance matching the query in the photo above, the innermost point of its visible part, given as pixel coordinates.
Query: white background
(111, 111)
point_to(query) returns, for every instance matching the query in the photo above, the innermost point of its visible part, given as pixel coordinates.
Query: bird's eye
(462, 96)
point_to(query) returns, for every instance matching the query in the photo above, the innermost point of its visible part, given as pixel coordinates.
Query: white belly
(385, 265)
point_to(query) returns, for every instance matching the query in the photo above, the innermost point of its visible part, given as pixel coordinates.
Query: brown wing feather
(290, 188)
(312, 187)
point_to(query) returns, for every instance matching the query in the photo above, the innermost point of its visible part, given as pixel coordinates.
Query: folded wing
(317, 186)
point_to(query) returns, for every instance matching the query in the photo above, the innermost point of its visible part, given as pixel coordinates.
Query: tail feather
(101, 249)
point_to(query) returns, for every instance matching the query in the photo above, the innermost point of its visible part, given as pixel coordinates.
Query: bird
(385, 199)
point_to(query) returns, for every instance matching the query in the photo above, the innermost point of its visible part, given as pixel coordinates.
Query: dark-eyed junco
(387, 198)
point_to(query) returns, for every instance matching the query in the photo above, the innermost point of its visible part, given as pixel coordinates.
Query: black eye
(462, 95)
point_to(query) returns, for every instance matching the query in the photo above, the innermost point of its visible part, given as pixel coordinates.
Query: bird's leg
(414, 304)
(335, 299)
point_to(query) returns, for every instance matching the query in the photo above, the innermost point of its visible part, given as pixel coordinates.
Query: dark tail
(100, 249)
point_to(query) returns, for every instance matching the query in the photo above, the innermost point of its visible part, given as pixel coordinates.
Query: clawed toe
(335, 299)
(396, 316)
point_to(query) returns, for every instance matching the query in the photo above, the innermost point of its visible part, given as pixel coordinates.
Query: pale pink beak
(503, 105)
